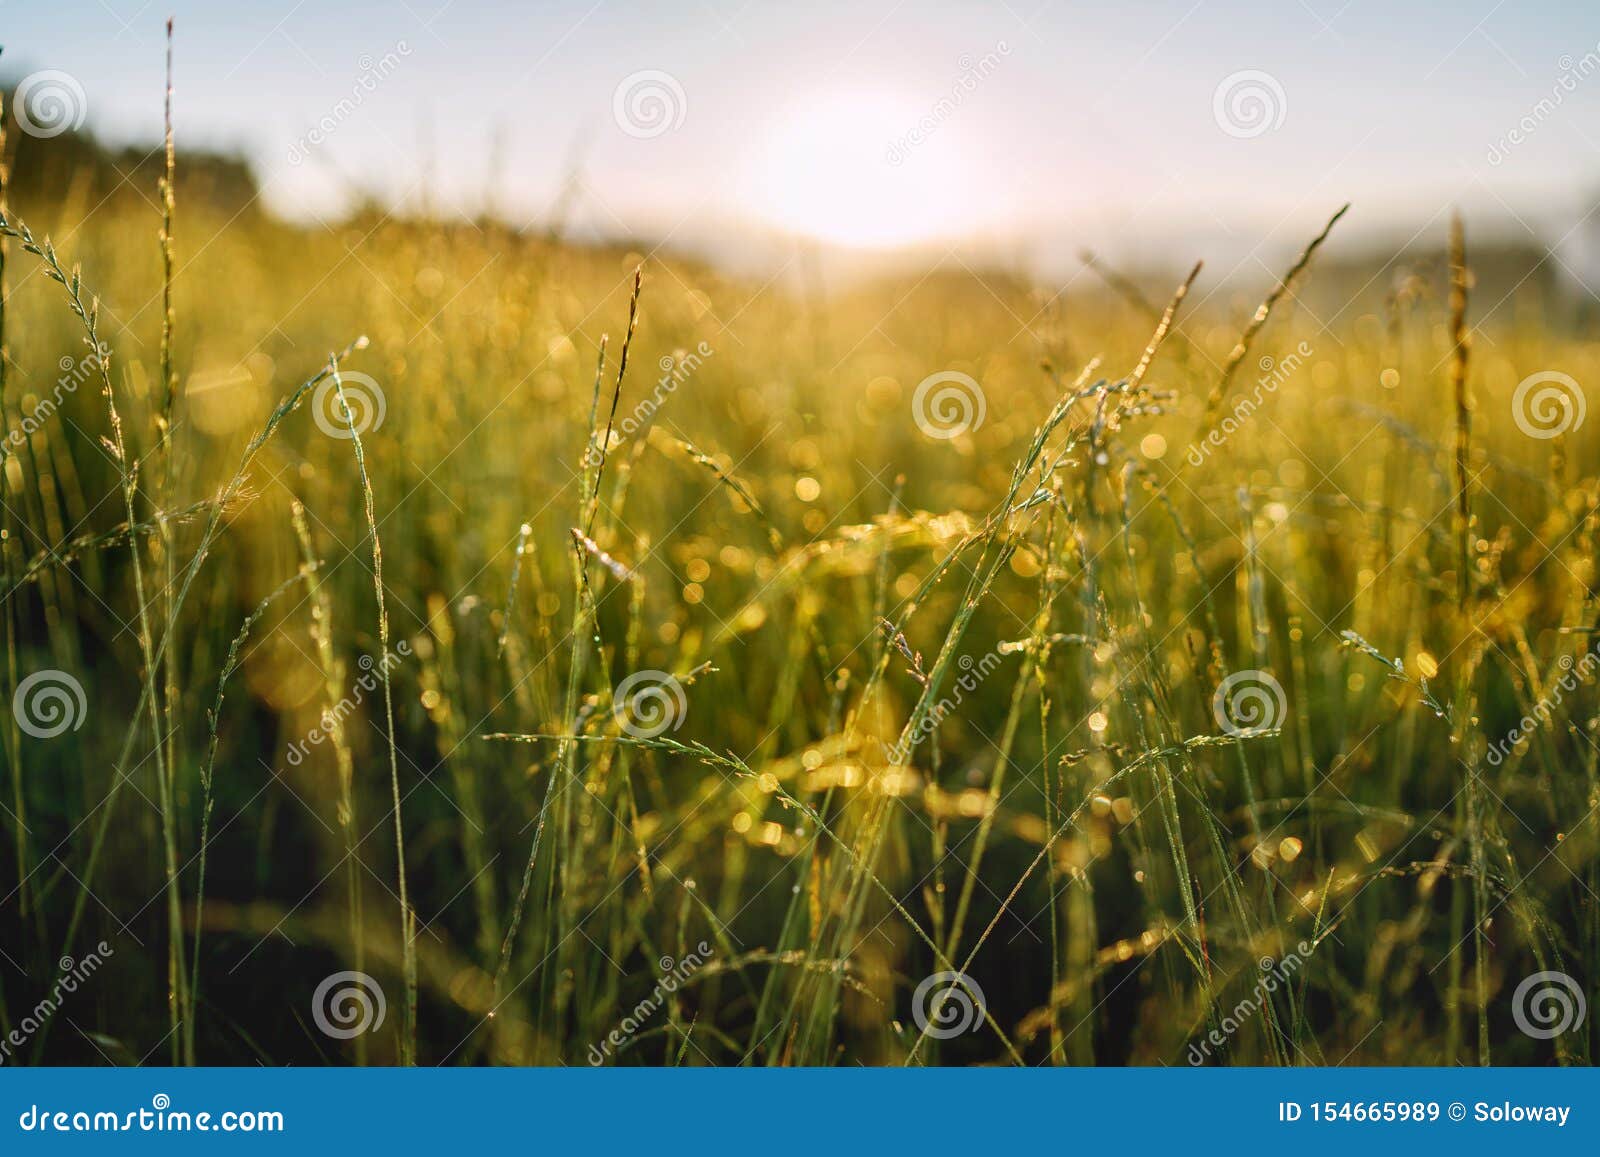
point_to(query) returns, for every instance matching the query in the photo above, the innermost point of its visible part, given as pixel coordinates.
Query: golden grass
(935, 704)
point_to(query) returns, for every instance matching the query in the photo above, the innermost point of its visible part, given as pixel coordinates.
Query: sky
(1025, 127)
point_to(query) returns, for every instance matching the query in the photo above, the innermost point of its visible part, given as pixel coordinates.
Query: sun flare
(853, 168)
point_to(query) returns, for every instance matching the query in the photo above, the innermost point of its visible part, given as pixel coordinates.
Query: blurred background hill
(63, 178)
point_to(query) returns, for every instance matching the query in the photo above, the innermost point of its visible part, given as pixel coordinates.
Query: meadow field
(440, 643)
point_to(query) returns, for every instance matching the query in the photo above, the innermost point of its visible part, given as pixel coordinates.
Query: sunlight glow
(849, 167)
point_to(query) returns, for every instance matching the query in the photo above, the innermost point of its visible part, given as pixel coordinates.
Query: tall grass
(936, 704)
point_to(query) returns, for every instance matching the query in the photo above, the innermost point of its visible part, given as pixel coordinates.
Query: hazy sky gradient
(1097, 125)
